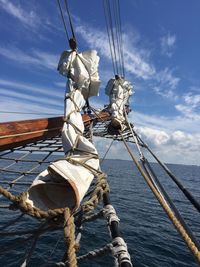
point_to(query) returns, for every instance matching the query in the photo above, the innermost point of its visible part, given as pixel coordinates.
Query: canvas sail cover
(119, 91)
(66, 180)
(82, 69)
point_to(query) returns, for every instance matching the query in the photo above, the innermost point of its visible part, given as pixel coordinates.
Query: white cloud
(167, 93)
(27, 18)
(48, 91)
(60, 84)
(174, 139)
(169, 146)
(21, 97)
(192, 99)
(136, 64)
(96, 103)
(136, 60)
(167, 79)
(165, 123)
(29, 98)
(116, 150)
(166, 83)
(188, 112)
(174, 147)
(168, 44)
(190, 108)
(33, 58)
(158, 137)
(15, 105)
(195, 89)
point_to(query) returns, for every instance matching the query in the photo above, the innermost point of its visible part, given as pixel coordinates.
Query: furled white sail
(82, 69)
(119, 90)
(66, 181)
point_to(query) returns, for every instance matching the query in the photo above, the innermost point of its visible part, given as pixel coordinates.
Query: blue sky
(161, 51)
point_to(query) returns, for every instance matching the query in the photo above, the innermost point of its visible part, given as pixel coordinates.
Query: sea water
(151, 238)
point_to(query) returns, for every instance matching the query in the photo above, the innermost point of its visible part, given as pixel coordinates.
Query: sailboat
(55, 167)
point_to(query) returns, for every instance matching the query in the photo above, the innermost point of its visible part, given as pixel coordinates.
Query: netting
(22, 233)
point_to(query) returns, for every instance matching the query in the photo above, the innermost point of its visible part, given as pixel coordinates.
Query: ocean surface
(151, 238)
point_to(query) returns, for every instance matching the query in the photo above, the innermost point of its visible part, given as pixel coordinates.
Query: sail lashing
(72, 178)
(65, 182)
(57, 192)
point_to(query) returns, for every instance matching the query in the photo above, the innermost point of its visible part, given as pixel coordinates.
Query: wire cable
(117, 32)
(113, 36)
(62, 16)
(114, 32)
(120, 37)
(109, 37)
(70, 20)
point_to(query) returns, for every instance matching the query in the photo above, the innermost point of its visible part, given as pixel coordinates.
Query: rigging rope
(186, 237)
(150, 172)
(109, 37)
(120, 38)
(109, 147)
(171, 213)
(114, 32)
(70, 20)
(72, 41)
(137, 139)
(112, 35)
(188, 195)
(117, 19)
(158, 186)
(63, 20)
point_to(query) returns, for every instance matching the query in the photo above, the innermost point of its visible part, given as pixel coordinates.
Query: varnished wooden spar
(20, 133)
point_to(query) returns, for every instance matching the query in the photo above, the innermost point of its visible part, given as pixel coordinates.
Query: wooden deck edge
(20, 133)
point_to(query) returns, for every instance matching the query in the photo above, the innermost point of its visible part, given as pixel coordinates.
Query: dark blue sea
(151, 238)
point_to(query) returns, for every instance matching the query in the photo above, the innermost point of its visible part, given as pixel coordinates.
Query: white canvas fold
(64, 184)
(119, 91)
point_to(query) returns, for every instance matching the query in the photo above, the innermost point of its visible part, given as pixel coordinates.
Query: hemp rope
(166, 208)
(69, 233)
(19, 202)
